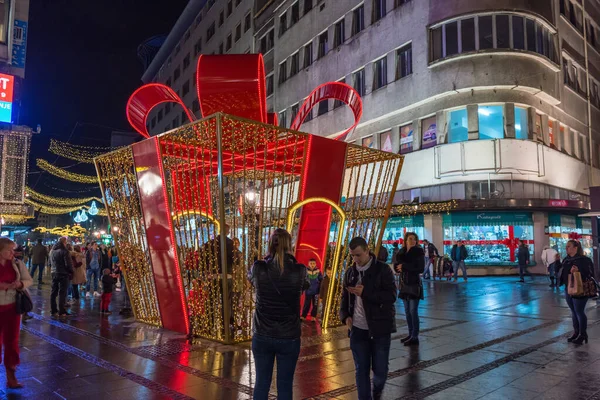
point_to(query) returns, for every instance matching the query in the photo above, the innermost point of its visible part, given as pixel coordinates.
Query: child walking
(108, 282)
(311, 297)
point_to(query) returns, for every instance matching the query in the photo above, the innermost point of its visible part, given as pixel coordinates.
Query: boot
(581, 338)
(574, 336)
(11, 379)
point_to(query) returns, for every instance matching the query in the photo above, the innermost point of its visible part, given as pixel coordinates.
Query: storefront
(396, 228)
(562, 228)
(491, 238)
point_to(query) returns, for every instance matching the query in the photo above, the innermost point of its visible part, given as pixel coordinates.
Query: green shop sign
(565, 221)
(406, 221)
(487, 218)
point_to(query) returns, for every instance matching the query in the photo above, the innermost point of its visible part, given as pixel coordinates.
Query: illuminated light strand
(60, 201)
(84, 154)
(67, 230)
(62, 173)
(48, 209)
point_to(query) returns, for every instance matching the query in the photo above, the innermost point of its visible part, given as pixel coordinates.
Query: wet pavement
(490, 338)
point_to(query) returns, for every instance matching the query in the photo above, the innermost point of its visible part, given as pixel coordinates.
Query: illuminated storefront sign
(6, 97)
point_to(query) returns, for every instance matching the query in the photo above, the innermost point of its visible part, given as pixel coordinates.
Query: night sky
(81, 67)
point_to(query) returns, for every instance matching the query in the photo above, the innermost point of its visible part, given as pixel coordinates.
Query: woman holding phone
(410, 263)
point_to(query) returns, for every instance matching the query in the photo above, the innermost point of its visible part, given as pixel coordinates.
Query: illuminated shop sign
(6, 97)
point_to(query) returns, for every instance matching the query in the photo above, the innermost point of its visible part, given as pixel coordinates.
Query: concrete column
(473, 117)
(509, 120)
(441, 123)
(541, 239)
(416, 134)
(545, 130)
(433, 230)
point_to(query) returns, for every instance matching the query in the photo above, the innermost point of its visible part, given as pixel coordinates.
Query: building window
(428, 132)
(229, 7)
(339, 103)
(502, 32)
(282, 23)
(238, 32)
(594, 94)
(176, 122)
(187, 36)
(159, 117)
(339, 34)
(195, 106)
(153, 123)
(168, 82)
(404, 61)
(185, 89)
(368, 142)
(359, 82)
(167, 109)
(308, 5)
(186, 61)
(406, 138)
(451, 39)
(398, 3)
(294, 112)
(210, 4)
(518, 31)
(467, 33)
(323, 107)
(295, 63)
(228, 43)
(486, 37)
(309, 114)
(491, 122)
(378, 10)
(177, 49)
(282, 120)
(380, 73)
(322, 45)
(308, 55)
(562, 7)
(238, 2)
(521, 125)
(295, 13)
(385, 141)
(283, 72)
(436, 48)
(176, 74)
(221, 48)
(550, 132)
(198, 47)
(358, 20)
(210, 32)
(183, 117)
(247, 23)
(458, 126)
(221, 17)
(267, 41)
(270, 85)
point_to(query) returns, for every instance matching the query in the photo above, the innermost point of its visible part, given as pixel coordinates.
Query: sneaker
(96, 294)
(88, 295)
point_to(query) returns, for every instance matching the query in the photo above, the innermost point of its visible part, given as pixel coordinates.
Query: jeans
(523, 271)
(96, 273)
(411, 309)
(75, 291)
(40, 268)
(461, 265)
(265, 351)
(577, 306)
(59, 288)
(367, 350)
(428, 271)
(308, 301)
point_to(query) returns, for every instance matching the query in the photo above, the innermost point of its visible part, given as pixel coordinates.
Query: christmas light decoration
(84, 154)
(93, 209)
(425, 208)
(47, 209)
(67, 230)
(84, 216)
(64, 174)
(77, 217)
(60, 201)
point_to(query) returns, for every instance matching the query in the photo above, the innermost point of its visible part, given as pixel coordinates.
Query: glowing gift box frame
(170, 194)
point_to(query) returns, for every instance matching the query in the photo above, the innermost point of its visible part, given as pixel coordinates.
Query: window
(308, 55)
(187, 36)
(159, 117)
(530, 28)
(562, 7)
(565, 70)
(594, 93)
(322, 45)
(228, 43)
(177, 49)
(359, 82)
(167, 109)
(195, 106)
(238, 2)
(267, 41)
(404, 61)
(368, 142)
(378, 10)
(502, 32)
(380, 73)
(198, 47)
(183, 117)
(168, 82)
(358, 20)
(270, 85)
(385, 141)
(339, 34)
(294, 112)
(521, 125)
(282, 23)
(295, 63)
(295, 13)
(308, 5)
(323, 107)
(282, 120)
(451, 39)
(428, 132)
(153, 123)
(221, 48)
(406, 138)
(210, 32)
(309, 115)
(518, 30)
(185, 89)
(338, 103)
(458, 127)
(491, 122)
(211, 3)
(467, 31)
(221, 18)
(551, 125)
(283, 72)
(176, 74)
(436, 44)
(247, 23)
(229, 7)
(486, 38)
(238, 32)
(186, 61)
(398, 3)
(176, 122)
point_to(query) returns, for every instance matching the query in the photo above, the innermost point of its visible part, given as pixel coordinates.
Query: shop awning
(487, 219)
(565, 221)
(416, 221)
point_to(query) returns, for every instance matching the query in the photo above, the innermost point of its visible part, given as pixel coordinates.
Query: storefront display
(562, 228)
(491, 238)
(396, 228)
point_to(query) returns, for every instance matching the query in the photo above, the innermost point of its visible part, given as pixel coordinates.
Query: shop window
(380, 73)
(378, 10)
(385, 141)
(282, 119)
(491, 122)
(295, 63)
(358, 20)
(368, 142)
(396, 227)
(502, 32)
(521, 125)
(308, 55)
(486, 37)
(451, 38)
(295, 13)
(562, 227)
(518, 30)
(428, 132)
(458, 130)
(323, 48)
(467, 31)
(404, 61)
(406, 138)
(339, 34)
(359, 82)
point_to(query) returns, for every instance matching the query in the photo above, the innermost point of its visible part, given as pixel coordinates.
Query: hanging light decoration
(84, 216)
(93, 209)
(77, 217)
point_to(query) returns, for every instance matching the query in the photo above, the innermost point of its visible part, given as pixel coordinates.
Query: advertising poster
(368, 142)
(385, 141)
(406, 139)
(429, 133)
(19, 44)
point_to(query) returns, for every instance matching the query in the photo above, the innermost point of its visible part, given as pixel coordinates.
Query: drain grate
(166, 349)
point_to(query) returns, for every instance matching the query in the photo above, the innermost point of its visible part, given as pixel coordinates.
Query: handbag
(23, 302)
(575, 287)
(590, 288)
(414, 290)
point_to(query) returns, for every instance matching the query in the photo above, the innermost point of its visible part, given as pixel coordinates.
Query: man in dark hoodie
(62, 268)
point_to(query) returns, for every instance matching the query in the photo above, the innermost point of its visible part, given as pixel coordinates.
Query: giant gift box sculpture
(225, 182)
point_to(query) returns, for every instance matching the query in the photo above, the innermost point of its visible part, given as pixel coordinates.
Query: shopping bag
(575, 284)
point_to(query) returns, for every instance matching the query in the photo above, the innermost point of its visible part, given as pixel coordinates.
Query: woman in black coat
(410, 263)
(573, 262)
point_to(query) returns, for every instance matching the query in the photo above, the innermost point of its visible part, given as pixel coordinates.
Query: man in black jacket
(62, 268)
(523, 258)
(367, 309)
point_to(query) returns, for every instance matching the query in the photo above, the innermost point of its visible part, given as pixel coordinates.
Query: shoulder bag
(23, 302)
(575, 287)
(414, 290)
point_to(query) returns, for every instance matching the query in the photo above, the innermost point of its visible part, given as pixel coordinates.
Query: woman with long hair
(79, 266)
(279, 281)
(576, 261)
(13, 276)
(410, 263)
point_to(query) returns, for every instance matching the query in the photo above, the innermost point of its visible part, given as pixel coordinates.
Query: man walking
(523, 258)
(430, 253)
(459, 254)
(367, 309)
(93, 258)
(62, 267)
(39, 256)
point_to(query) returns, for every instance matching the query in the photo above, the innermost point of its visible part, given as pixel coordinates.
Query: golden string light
(47, 209)
(425, 208)
(84, 154)
(59, 201)
(68, 230)
(64, 174)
